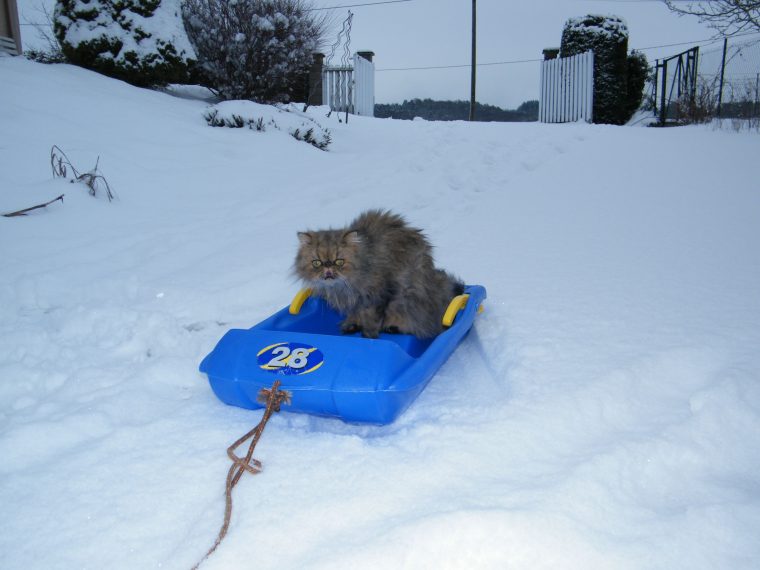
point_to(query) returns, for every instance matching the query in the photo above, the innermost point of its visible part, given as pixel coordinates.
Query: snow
(608, 26)
(604, 412)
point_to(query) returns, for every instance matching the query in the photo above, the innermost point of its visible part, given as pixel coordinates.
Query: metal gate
(675, 85)
(350, 88)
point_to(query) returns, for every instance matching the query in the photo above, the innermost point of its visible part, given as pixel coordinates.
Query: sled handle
(457, 304)
(298, 301)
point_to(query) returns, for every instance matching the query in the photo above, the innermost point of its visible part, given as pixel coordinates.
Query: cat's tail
(455, 286)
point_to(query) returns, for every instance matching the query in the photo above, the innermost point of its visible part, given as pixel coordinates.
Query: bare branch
(27, 210)
(728, 17)
(93, 179)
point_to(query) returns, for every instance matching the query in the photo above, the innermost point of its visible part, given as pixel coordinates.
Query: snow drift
(603, 413)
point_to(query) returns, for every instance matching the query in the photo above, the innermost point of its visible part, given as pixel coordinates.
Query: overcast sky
(427, 33)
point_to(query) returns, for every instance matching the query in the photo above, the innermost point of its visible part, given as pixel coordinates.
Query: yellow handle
(298, 301)
(457, 304)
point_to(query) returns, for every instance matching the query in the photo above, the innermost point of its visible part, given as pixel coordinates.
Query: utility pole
(474, 59)
(722, 72)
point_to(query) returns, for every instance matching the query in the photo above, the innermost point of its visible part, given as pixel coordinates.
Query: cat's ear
(305, 238)
(352, 237)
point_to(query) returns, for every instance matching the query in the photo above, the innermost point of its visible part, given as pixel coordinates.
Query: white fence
(364, 86)
(567, 89)
(350, 89)
(7, 45)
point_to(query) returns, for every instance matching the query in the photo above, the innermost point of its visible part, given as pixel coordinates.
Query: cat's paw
(349, 328)
(393, 329)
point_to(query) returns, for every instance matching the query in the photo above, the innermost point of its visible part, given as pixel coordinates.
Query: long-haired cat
(378, 272)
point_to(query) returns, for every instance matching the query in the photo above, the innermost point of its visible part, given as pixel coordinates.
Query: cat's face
(327, 257)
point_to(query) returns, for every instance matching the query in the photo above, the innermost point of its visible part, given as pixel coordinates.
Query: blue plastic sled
(330, 374)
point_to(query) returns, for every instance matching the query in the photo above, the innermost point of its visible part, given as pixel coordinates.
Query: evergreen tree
(607, 37)
(140, 41)
(638, 70)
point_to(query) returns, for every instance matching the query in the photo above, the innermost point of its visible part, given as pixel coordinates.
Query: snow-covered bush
(607, 36)
(253, 49)
(285, 118)
(140, 41)
(638, 73)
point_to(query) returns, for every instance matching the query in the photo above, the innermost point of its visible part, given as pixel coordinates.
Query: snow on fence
(567, 89)
(350, 88)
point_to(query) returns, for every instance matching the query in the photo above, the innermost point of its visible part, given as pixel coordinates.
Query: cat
(379, 273)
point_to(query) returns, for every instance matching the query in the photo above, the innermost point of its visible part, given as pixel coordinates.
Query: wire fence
(731, 74)
(700, 84)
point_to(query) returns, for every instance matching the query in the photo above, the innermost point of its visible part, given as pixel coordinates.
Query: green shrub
(140, 41)
(607, 37)
(638, 71)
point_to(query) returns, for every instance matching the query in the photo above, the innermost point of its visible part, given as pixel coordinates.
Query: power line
(359, 5)
(460, 65)
(708, 41)
(515, 61)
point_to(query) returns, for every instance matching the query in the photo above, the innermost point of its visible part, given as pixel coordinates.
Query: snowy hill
(603, 413)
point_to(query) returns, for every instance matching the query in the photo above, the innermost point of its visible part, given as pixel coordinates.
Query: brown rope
(273, 398)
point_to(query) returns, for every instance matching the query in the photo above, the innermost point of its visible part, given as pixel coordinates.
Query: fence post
(590, 87)
(656, 83)
(541, 93)
(663, 95)
(314, 96)
(722, 73)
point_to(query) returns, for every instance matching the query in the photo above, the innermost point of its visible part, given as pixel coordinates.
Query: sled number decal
(290, 358)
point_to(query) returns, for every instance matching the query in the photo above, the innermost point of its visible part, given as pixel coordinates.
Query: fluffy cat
(378, 272)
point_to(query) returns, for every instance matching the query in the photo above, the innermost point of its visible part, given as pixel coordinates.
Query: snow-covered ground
(603, 413)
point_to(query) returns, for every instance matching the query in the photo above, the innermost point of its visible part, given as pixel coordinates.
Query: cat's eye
(340, 262)
(316, 263)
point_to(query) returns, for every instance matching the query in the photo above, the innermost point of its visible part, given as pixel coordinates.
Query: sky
(432, 33)
(429, 33)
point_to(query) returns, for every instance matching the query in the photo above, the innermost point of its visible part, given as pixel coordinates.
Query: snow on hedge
(612, 27)
(142, 41)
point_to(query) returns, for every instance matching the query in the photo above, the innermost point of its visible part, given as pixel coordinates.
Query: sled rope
(273, 398)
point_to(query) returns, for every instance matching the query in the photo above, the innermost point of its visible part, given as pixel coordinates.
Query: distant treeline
(455, 111)
(735, 109)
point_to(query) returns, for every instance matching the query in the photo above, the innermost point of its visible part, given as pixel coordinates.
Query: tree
(607, 37)
(140, 41)
(729, 17)
(455, 111)
(254, 49)
(638, 71)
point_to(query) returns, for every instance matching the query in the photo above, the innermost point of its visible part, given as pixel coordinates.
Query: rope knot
(274, 395)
